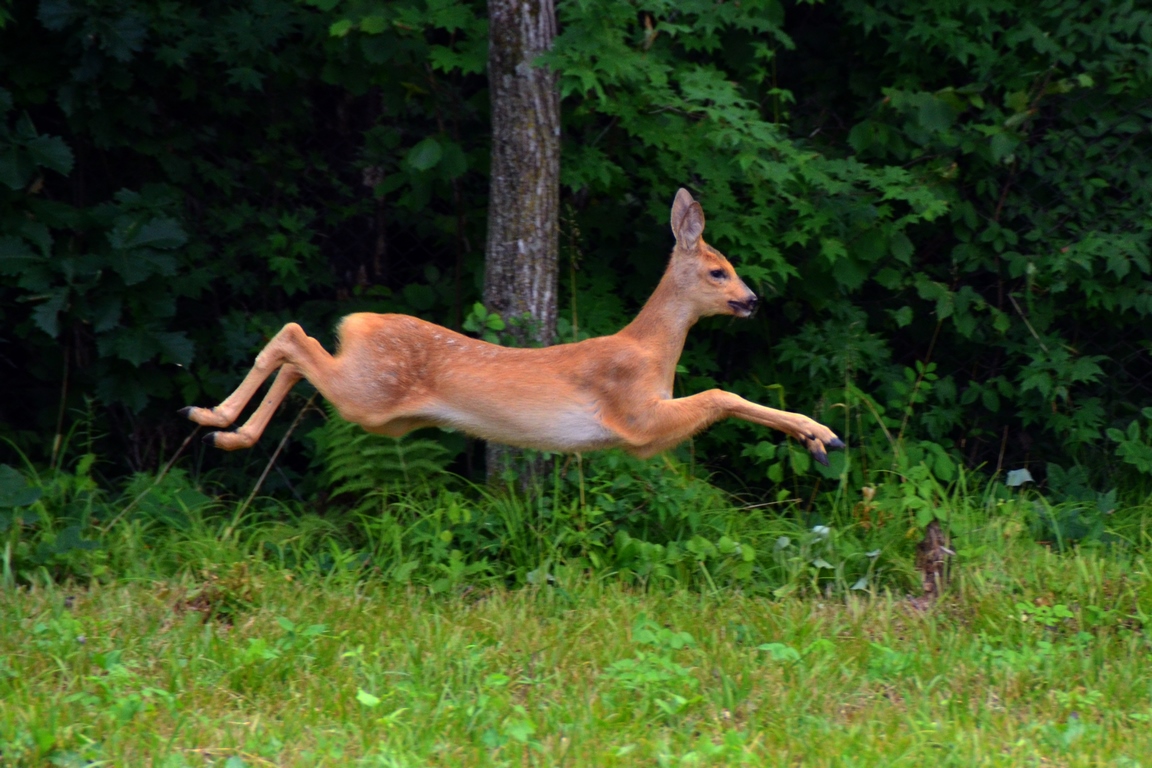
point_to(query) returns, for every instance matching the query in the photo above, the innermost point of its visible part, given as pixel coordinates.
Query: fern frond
(357, 462)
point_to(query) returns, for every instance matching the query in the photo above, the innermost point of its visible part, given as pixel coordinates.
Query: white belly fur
(569, 430)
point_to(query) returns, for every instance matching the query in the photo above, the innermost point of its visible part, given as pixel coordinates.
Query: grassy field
(1031, 658)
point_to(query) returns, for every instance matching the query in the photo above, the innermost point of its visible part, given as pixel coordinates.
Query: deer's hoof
(835, 443)
(210, 438)
(820, 456)
(186, 411)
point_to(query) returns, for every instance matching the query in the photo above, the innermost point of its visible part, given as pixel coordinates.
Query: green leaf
(51, 152)
(161, 233)
(890, 278)
(454, 162)
(925, 514)
(373, 25)
(425, 155)
(849, 273)
(391, 183)
(123, 36)
(469, 60)
(1016, 120)
(496, 680)
(15, 255)
(871, 246)
(780, 652)
(16, 168)
(105, 313)
(71, 539)
(246, 78)
(832, 249)
(136, 345)
(176, 346)
(46, 316)
(450, 15)
(340, 28)
(1003, 145)
(902, 248)
(366, 698)
(935, 114)
(132, 267)
(37, 233)
(519, 730)
(866, 134)
(15, 491)
(1017, 101)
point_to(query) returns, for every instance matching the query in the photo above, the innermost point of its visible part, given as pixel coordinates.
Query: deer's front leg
(811, 434)
(670, 422)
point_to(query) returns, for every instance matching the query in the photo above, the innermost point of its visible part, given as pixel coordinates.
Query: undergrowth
(393, 514)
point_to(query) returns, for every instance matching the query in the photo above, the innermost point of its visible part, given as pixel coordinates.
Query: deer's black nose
(748, 305)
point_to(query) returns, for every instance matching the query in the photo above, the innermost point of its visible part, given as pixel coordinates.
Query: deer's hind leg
(296, 355)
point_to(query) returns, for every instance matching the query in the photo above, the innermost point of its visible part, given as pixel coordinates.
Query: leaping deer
(395, 373)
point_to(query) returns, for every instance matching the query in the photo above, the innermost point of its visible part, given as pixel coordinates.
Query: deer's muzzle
(745, 308)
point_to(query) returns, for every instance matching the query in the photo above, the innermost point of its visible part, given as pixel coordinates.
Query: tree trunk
(520, 276)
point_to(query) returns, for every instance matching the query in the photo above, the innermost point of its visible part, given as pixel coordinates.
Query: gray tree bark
(521, 268)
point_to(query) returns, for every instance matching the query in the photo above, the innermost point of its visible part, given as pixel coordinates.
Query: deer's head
(703, 274)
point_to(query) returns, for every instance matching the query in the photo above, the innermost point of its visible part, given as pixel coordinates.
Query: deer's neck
(664, 321)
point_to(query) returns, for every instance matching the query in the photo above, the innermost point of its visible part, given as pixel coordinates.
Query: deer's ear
(687, 220)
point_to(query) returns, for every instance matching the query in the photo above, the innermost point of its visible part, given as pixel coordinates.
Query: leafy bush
(946, 209)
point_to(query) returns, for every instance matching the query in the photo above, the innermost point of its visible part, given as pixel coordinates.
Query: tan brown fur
(395, 373)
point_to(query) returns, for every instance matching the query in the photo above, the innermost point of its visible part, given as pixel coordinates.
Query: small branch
(1003, 447)
(1025, 319)
(271, 461)
(58, 438)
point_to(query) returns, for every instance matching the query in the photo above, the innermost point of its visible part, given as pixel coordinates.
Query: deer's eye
(717, 273)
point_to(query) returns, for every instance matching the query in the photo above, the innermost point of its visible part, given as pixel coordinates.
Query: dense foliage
(946, 207)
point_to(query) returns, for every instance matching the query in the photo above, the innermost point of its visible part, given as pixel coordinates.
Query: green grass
(646, 619)
(1031, 658)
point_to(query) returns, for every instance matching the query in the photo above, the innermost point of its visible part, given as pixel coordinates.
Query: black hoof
(210, 439)
(186, 411)
(835, 443)
(821, 457)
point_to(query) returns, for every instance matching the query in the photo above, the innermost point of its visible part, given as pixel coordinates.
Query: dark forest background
(946, 206)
